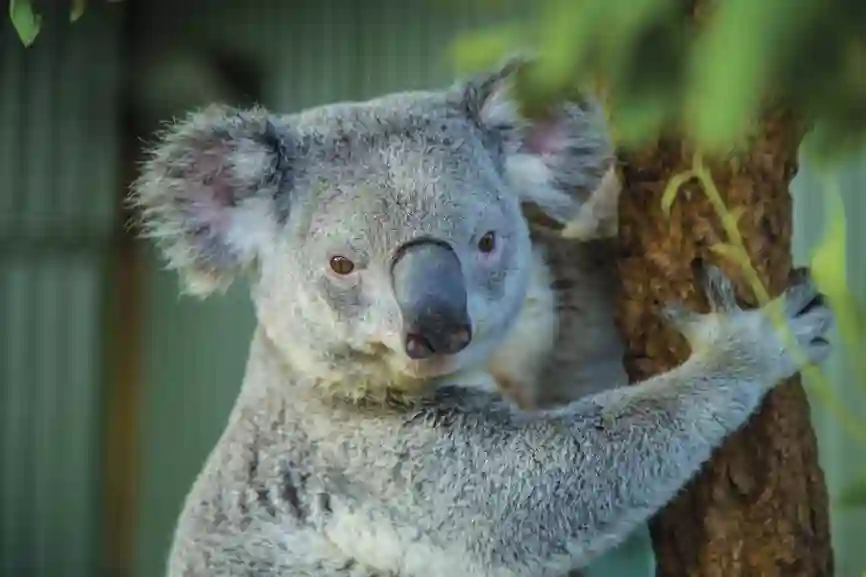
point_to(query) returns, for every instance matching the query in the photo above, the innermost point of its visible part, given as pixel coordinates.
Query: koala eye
(341, 265)
(487, 242)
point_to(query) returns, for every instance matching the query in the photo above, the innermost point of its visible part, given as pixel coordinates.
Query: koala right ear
(555, 162)
(213, 191)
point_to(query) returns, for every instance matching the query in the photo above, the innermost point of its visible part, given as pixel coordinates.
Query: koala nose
(423, 344)
(431, 291)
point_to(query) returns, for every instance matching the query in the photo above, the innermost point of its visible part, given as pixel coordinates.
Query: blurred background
(112, 387)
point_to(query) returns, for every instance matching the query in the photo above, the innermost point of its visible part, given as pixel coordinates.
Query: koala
(388, 257)
(565, 336)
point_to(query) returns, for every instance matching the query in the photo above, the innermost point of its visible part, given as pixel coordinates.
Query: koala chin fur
(369, 437)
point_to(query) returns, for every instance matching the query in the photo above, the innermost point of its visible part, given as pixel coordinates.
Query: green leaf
(833, 141)
(737, 213)
(564, 31)
(732, 252)
(480, 49)
(624, 22)
(673, 188)
(854, 495)
(828, 258)
(77, 11)
(729, 65)
(828, 266)
(735, 62)
(26, 22)
(635, 120)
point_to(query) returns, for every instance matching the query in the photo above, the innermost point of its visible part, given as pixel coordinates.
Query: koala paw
(809, 320)
(720, 293)
(773, 342)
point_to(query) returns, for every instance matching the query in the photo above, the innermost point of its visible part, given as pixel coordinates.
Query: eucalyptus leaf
(565, 33)
(26, 22)
(712, 81)
(829, 268)
(483, 48)
(729, 66)
(77, 10)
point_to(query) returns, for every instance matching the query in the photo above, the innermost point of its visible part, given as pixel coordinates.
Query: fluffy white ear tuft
(213, 191)
(598, 217)
(554, 163)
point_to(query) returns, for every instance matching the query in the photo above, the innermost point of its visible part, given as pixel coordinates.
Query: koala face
(385, 240)
(402, 245)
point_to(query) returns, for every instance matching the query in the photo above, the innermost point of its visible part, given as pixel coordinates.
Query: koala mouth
(403, 367)
(431, 368)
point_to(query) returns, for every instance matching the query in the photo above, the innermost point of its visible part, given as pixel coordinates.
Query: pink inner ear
(210, 168)
(545, 137)
(212, 193)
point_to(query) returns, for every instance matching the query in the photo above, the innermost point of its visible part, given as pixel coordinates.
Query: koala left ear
(554, 163)
(213, 192)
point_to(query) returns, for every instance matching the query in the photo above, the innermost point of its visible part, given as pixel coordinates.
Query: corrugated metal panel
(58, 110)
(405, 45)
(57, 119)
(50, 415)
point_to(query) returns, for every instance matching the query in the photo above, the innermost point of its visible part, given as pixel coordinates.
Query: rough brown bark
(760, 507)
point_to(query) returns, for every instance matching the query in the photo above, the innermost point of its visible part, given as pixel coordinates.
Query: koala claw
(755, 334)
(678, 316)
(809, 318)
(719, 289)
(801, 295)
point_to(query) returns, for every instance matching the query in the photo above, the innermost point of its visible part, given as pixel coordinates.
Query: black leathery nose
(418, 347)
(431, 290)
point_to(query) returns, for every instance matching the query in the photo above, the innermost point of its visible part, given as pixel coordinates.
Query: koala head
(383, 240)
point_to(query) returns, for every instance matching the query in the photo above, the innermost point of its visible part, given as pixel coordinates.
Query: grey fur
(343, 458)
(565, 343)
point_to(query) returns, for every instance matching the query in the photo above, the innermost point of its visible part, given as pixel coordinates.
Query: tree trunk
(760, 507)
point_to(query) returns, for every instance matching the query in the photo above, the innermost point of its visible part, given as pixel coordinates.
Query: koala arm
(544, 493)
(559, 488)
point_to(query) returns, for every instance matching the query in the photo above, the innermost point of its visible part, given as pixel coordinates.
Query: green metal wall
(58, 183)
